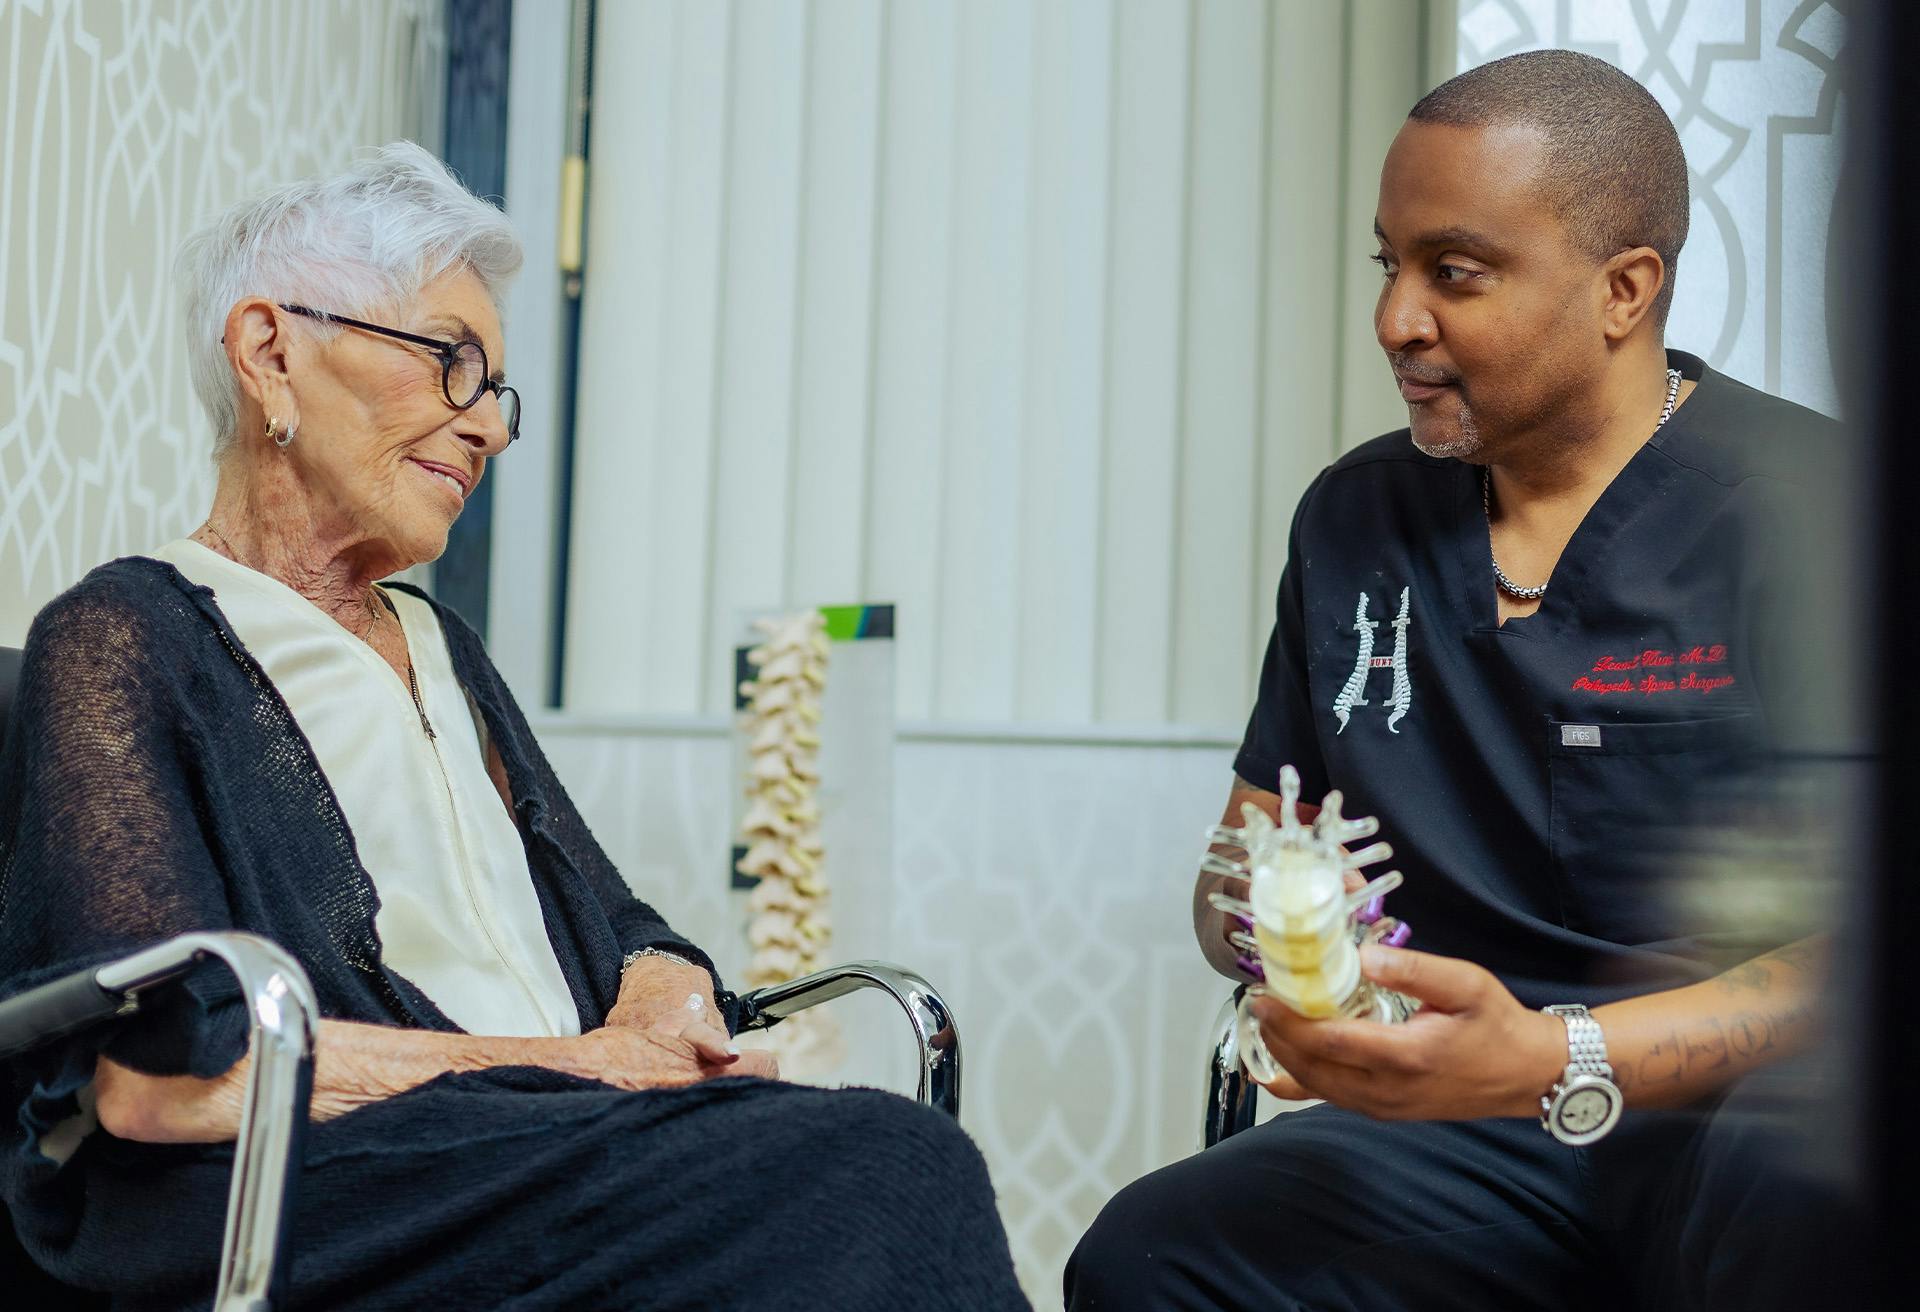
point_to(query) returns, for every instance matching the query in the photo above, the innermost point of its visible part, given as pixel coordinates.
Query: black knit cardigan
(154, 782)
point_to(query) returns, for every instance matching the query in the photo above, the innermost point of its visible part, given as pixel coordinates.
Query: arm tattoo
(1749, 977)
(1803, 957)
(1712, 1044)
(1662, 1062)
(1707, 1047)
(1750, 1035)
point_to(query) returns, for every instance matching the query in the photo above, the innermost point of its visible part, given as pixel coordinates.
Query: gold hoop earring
(279, 434)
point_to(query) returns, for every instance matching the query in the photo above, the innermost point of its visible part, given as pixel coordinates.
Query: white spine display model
(790, 929)
(1307, 929)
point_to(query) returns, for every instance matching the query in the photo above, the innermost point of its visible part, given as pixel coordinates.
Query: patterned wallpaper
(1757, 91)
(123, 123)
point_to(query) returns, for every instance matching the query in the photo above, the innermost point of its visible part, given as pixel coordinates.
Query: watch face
(1586, 1111)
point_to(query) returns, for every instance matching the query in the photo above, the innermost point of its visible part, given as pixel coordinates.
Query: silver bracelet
(626, 963)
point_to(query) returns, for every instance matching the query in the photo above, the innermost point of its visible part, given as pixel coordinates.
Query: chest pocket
(1630, 803)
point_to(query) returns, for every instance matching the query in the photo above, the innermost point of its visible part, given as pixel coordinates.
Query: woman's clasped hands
(665, 1030)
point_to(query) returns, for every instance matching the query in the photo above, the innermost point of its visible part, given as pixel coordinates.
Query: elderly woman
(525, 1093)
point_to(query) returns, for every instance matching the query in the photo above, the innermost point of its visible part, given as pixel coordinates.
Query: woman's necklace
(1500, 578)
(373, 611)
(375, 602)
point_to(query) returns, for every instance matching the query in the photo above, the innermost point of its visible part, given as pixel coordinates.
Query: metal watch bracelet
(1586, 1045)
(1584, 1104)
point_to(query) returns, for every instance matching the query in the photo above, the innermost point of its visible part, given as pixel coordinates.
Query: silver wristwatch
(1586, 1103)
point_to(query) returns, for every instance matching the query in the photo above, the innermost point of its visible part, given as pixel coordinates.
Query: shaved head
(1614, 172)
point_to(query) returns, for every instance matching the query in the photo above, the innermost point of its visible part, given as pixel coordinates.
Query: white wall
(1031, 318)
(122, 127)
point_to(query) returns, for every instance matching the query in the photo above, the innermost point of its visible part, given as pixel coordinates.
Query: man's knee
(1107, 1265)
(1166, 1240)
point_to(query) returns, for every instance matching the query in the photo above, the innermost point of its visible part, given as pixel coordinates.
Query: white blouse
(458, 913)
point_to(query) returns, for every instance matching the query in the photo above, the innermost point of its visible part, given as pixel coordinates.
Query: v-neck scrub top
(459, 916)
(1537, 779)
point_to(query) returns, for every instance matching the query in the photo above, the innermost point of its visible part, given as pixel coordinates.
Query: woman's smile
(454, 480)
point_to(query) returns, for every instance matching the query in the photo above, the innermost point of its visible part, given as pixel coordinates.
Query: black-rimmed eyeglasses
(464, 376)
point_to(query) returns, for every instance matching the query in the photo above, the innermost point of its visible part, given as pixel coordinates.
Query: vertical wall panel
(910, 356)
(527, 485)
(1219, 416)
(753, 413)
(834, 337)
(1383, 73)
(611, 604)
(1066, 317)
(1032, 319)
(644, 428)
(980, 457)
(686, 466)
(1299, 375)
(1146, 267)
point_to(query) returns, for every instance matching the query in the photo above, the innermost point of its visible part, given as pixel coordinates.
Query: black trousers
(1736, 1206)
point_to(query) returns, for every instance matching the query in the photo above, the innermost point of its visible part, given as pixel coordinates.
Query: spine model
(1306, 929)
(790, 928)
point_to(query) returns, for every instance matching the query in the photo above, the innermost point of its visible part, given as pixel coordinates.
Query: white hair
(356, 243)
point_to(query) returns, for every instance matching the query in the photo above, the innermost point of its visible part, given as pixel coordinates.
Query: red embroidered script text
(1656, 660)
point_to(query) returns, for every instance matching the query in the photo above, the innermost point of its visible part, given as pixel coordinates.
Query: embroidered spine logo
(1353, 692)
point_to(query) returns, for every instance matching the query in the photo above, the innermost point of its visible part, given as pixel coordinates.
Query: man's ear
(258, 341)
(1630, 282)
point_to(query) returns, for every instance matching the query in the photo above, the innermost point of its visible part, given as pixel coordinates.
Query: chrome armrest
(926, 1011)
(281, 1015)
(1232, 1098)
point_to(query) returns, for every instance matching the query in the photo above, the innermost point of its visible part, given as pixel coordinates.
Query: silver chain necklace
(373, 616)
(1506, 584)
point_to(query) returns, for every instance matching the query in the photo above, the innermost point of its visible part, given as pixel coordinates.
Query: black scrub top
(1544, 782)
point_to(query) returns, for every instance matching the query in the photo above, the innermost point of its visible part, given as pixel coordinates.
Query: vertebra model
(790, 927)
(1305, 928)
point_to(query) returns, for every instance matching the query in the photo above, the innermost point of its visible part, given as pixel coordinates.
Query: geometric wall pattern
(123, 125)
(1756, 89)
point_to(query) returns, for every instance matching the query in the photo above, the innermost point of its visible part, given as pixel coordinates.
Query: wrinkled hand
(674, 1050)
(653, 987)
(1472, 1050)
(675, 1004)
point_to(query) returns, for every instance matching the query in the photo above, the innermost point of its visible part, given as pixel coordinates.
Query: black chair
(261, 1203)
(1232, 1097)
(9, 677)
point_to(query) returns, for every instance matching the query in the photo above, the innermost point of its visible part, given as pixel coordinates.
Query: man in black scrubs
(1532, 634)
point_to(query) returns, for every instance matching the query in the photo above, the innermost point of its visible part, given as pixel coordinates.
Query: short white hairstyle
(358, 243)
